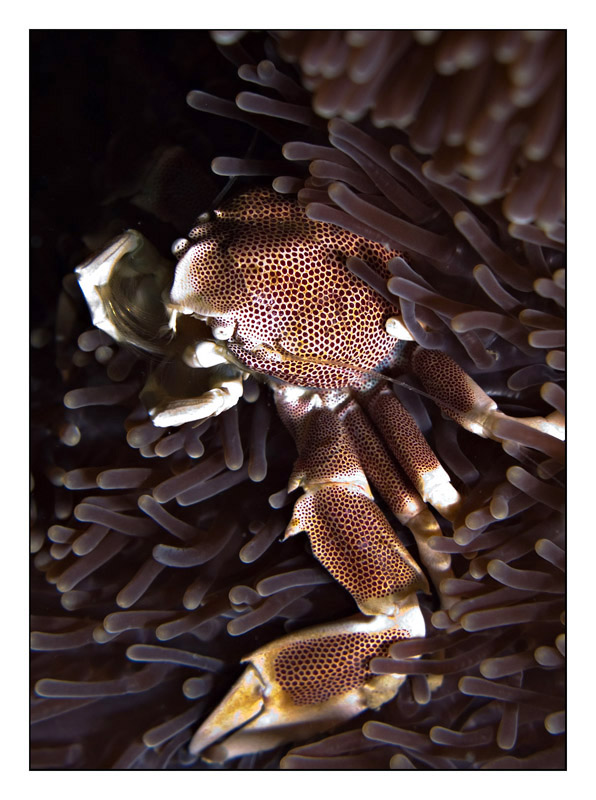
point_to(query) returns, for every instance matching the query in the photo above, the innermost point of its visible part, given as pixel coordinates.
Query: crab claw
(306, 683)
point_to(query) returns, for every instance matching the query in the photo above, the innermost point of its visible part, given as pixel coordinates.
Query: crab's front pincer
(306, 683)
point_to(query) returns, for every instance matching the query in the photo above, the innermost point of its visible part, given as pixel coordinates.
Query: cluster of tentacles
(157, 563)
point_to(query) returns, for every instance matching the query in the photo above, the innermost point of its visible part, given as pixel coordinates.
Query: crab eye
(224, 332)
(207, 282)
(179, 248)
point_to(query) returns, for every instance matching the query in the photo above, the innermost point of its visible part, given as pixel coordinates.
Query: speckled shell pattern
(313, 671)
(280, 278)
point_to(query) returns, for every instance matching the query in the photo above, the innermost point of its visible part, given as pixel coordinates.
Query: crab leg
(348, 532)
(410, 448)
(397, 491)
(306, 683)
(461, 399)
(309, 681)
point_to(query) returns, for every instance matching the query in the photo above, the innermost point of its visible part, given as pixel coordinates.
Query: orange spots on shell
(314, 671)
(300, 315)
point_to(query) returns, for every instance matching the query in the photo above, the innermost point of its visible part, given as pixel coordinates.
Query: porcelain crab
(261, 289)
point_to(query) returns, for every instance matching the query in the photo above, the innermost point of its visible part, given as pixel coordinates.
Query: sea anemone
(156, 560)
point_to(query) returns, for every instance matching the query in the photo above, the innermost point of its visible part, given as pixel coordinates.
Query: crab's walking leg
(410, 448)
(397, 491)
(461, 399)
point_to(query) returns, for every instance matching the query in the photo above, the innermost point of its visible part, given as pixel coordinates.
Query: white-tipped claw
(243, 702)
(204, 355)
(396, 328)
(210, 404)
(437, 490)
(294, 687)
